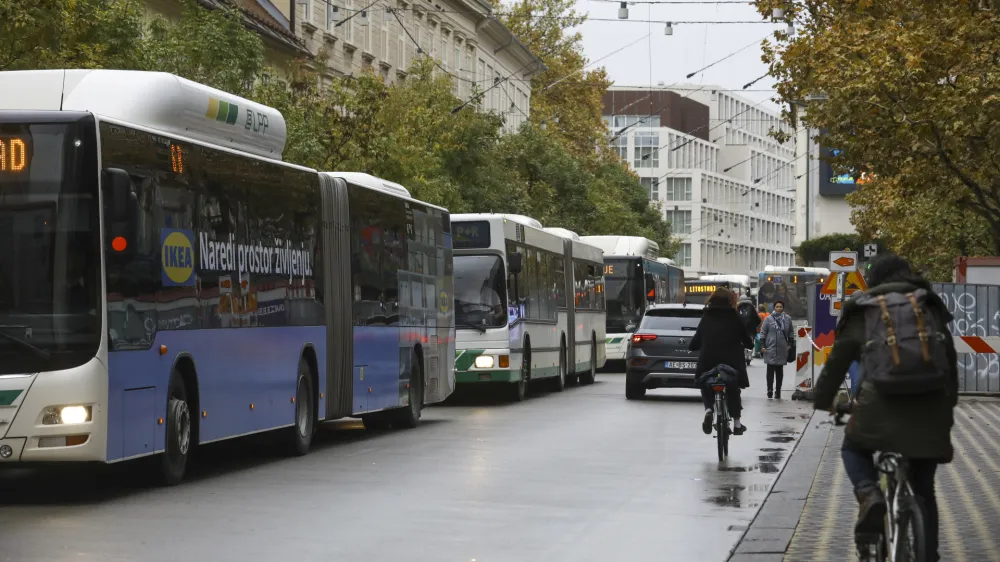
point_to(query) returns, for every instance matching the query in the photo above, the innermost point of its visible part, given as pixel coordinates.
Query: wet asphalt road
(582, 475)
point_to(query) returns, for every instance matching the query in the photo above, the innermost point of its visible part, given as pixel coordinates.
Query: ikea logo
(177, 257)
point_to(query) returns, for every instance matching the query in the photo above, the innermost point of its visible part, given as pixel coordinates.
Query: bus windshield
(626, 301)
(480, 292)
(49, 250)
(788, 287)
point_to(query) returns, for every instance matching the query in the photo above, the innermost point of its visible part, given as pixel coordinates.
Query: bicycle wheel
(910, 541)
(721, 426)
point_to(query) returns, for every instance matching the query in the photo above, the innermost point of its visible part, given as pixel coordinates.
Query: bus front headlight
(484, 362)
(66, 415)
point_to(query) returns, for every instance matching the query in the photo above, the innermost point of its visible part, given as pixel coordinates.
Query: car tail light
(718, 387)
(639, 338)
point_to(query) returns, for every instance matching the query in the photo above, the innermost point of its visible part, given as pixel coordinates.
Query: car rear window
(671, 319)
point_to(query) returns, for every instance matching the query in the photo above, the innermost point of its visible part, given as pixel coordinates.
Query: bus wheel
(409, 417)
(301, 433)
(521, 388)
(560, 382)
(173, 461)
(591, 374)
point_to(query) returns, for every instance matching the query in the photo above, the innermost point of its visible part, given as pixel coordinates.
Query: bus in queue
(789, 284)
(529, 304)
(634, 278)
(167, 281)
(742, 285)
(697, 291)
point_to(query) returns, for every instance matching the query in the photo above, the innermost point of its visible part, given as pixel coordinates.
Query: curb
(770, 532)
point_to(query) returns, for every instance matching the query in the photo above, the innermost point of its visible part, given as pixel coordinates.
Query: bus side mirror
(514, 263)
(650, 288)
(122, 217)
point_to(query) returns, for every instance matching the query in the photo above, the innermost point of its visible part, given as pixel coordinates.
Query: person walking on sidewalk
(776, 337)
(898, 330)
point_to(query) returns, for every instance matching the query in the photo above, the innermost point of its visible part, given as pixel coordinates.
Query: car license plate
(679, 365)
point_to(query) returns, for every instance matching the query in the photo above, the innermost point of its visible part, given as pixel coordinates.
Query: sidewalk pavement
(809, 515)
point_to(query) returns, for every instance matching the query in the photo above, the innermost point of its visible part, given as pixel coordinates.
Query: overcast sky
(670, 59)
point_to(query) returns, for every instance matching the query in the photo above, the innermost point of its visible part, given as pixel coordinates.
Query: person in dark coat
(721, 339)
(918, 427)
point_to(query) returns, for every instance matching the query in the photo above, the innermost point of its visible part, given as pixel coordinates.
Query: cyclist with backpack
(898, 331)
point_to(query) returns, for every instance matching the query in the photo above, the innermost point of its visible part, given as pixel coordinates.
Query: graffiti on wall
(976, 309)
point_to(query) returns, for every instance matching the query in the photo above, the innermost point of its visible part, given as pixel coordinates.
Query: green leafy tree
(908, 91)
(70, 34)
(212, 47)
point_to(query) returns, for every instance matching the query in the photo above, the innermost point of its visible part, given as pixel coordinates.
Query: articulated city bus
(167, 281)
(529, 303)
(635, 278)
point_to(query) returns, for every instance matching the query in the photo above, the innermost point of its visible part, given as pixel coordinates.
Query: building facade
(706, 159)
(463, 36)
(346, 37)
(281, 45)
(821, 206)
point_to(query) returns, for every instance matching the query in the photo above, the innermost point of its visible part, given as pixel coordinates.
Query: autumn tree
(566, 96)
(907, 90)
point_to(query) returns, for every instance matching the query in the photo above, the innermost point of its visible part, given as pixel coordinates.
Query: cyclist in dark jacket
(918, 428)
(721, 339)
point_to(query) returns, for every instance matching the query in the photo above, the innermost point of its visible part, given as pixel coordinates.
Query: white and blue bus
(167, 281)
(529, 303)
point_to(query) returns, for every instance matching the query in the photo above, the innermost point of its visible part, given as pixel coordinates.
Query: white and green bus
(529, 303)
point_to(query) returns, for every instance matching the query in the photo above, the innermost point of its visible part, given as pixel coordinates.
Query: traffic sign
(830, 287)
(871, 250)
(855, 282)
(843, 261)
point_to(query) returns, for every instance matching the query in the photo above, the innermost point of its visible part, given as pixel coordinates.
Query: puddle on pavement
(771, 449)
(771, 457)
(781, 439)
(738, 495)
(762, 467)
(783, 432)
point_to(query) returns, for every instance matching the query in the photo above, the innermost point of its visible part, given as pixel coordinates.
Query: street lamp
(669, 29)
(623, 11)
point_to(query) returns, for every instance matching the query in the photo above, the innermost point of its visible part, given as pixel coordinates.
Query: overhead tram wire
(650, 116)
(727, 57)
(618, 135)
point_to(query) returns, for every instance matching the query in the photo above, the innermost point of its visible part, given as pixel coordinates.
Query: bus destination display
(474, 234)
(13, 155)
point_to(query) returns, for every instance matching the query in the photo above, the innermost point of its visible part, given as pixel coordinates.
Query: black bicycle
(902, 539)
(721, 421)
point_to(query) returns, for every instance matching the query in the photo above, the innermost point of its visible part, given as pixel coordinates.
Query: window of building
(677, 189)
(647, 154)
(684, 255)
(620, 145)
(652, 187)
(680, 221)
(307, 10)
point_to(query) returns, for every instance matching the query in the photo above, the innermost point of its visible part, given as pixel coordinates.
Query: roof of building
(262, 20)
